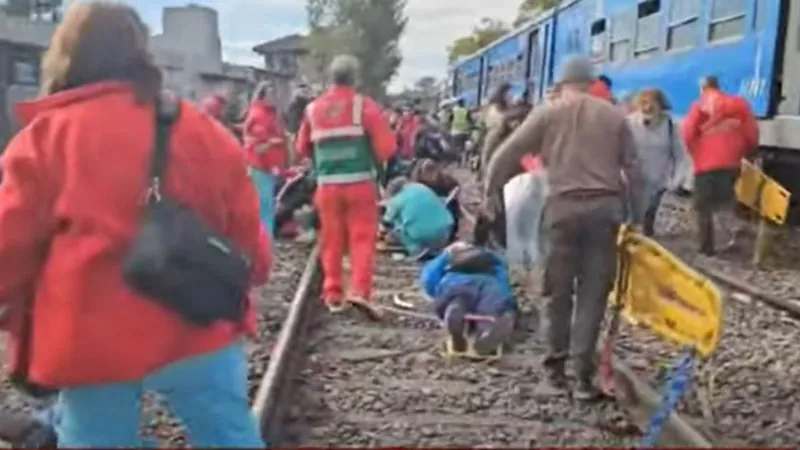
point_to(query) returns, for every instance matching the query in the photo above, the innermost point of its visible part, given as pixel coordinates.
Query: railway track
(340, 380)
(744, 394)
(273, 303)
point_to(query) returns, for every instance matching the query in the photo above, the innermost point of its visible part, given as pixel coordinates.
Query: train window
(684, 26)
(648, 29)
(598, 40)
(760, 19)
(623, 26)
(727, 19)
(683, 36)
(683, 10)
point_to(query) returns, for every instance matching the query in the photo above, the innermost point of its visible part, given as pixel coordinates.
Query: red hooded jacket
(265, 138)
(600, 90)
(408, 129)
(69, 209)
(719, 131)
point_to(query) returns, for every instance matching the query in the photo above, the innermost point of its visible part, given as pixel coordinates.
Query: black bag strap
(167, 111)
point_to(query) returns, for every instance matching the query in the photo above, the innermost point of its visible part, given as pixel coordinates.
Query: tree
(488, 31)
(426, 86)
(529, 8)
(369, 30)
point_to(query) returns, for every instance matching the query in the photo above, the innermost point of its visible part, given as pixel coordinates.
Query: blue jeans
(208, 393)
(265, 185)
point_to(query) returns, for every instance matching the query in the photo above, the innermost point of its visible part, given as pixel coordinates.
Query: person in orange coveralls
(719, 131)
(348, 139)
(70, 206)
(266, 148)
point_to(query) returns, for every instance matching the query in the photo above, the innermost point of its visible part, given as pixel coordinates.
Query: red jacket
(719, 131)
(599, 89)
(409, 127)
(340, 98)
(69, 208)
(265, 138)
(531, 163)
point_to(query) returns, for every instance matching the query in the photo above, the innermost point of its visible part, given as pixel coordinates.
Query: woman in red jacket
(265, 144)
(70, 206)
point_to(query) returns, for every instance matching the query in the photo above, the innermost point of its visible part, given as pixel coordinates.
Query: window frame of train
(717, 20)
(624, 22)
(648, 17)
(599, 40)
(759, 15)
(679, 21)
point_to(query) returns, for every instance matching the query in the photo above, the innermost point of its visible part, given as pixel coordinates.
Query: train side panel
(504, 62)
(467, 74)
(671, 44)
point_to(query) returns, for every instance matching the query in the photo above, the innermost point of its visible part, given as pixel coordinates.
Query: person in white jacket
(660, 152)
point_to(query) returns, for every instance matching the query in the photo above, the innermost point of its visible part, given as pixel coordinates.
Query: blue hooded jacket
(436, 278)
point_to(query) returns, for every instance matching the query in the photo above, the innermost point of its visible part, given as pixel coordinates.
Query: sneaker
(367, 308)
(335, 305)
(455, 325)
(586, 391)
(490, 341)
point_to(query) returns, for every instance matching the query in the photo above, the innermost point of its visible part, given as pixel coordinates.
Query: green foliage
(369, 30)
(488, 31)
(528, 8)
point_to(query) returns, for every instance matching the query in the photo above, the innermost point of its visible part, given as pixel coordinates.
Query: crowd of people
(118, 200)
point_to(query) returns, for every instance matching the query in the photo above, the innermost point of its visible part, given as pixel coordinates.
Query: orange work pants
(349, 218)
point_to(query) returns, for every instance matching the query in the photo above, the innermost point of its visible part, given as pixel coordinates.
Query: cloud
(433, 25)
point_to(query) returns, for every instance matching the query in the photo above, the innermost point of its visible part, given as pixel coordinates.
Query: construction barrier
(767, 198)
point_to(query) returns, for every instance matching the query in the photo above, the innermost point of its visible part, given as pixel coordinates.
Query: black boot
(556, 376)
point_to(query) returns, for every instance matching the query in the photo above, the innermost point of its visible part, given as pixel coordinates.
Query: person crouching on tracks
(587, 147)
(660, 151)
(416, 217)
(431, 174)
(267, 153)
(348, 138)
(464, 280)
(71, 209)
(719, 130)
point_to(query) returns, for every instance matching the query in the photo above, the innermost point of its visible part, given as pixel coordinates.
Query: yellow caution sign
(762, 194)
(668, 297)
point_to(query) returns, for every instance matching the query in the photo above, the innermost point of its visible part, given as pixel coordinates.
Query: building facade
(288, 63)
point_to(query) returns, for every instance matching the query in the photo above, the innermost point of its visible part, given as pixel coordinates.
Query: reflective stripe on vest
(340, 161)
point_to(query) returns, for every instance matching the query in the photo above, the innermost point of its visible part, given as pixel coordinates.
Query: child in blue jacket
(417, 217)
(468, 279)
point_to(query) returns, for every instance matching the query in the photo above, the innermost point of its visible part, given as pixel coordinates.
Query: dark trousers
(713, 192)
(651, 212)
(580, 273)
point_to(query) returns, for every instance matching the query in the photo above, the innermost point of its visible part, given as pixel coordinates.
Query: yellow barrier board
(762, 194)
(669, 297)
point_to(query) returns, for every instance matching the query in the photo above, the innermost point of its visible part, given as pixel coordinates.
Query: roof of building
(292, 42)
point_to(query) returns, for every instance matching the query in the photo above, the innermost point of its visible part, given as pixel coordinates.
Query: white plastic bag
(525, 196)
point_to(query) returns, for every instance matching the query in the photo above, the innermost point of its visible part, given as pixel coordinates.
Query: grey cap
(576, 69)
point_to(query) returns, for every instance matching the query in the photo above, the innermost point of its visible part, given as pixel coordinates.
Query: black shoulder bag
(177, 260)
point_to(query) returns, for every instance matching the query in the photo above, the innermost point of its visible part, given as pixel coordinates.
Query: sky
(433, 25)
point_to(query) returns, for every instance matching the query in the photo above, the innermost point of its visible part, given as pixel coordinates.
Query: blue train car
(467, 74)
(671, 44)
(504, 62)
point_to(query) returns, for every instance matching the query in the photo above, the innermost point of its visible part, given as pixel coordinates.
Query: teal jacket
(418, 213)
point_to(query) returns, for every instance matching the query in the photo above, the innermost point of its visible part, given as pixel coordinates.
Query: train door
(534, 58)
(544, 64)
